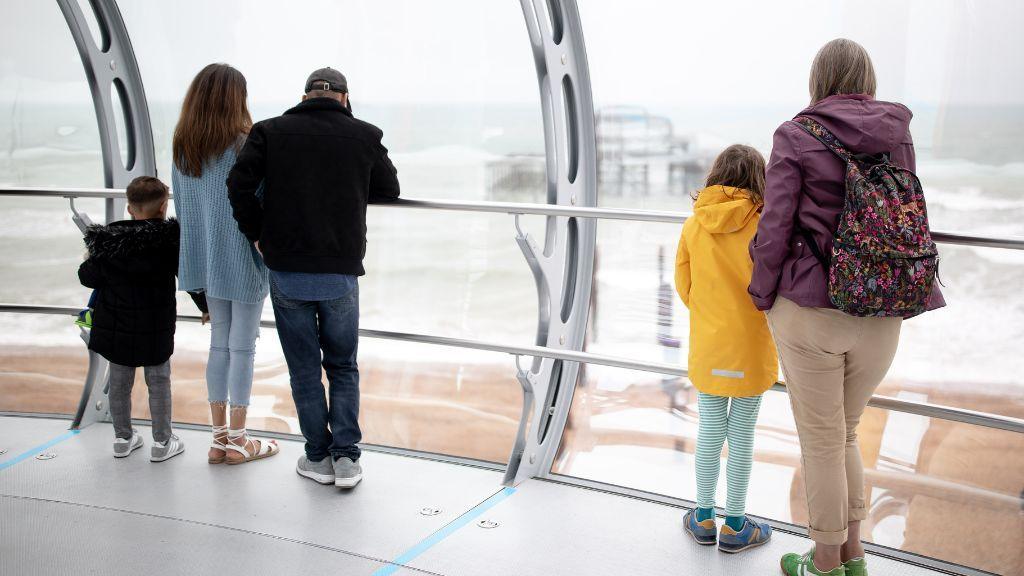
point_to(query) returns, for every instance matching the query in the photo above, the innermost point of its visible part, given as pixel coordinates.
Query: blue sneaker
(753, 534)
(705, 533)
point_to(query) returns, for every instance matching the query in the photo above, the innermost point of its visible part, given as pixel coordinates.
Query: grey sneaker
(321, 471)
(124, 447)
(347, 473)
(166, 450)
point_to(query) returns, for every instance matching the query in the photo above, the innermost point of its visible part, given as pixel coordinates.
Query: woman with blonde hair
(833, 361)
(215, 257)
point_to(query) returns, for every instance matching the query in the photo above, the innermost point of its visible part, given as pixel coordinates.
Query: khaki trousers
(833, 362)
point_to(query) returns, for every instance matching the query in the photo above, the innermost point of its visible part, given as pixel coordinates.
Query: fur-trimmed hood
(128, 238)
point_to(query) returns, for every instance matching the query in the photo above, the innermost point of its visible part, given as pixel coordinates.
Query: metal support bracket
(114, 77)
(81, 219)
(519, 448)
(563, 268)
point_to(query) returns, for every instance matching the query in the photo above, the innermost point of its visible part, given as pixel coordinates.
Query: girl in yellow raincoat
(732, 357)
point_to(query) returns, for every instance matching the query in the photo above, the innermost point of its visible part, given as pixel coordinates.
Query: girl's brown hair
(213, 116)
(841, 67)
(739, 166)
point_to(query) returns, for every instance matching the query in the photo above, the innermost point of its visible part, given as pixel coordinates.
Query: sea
(462, 275)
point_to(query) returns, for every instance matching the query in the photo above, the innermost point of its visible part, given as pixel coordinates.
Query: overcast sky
(654, 52)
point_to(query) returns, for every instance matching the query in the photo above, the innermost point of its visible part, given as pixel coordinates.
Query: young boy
(132, 266)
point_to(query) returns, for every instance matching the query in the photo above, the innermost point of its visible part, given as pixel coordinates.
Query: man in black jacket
(318, 168)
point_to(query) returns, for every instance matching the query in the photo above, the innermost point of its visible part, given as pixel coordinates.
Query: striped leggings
(720, 419)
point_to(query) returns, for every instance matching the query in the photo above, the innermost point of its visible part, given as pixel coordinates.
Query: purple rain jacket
(804, 187)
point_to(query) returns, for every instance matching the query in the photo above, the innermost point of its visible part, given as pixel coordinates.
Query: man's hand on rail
(256, 244)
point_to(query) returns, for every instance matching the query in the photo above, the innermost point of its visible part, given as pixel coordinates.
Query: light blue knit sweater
(215, 257)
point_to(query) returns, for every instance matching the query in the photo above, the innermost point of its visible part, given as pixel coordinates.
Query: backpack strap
(822, 134)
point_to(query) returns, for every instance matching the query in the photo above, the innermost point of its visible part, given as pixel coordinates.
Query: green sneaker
(84, 318)
(856, 567)
(797, 565)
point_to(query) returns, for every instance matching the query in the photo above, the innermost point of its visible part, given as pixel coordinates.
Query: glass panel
(660, 124)
(452, 97)
(639, 430)
(962, 355)
(421, 397)
(461, 124)
(48, 131)
(48, 137)
(44, 363)
(671, 91)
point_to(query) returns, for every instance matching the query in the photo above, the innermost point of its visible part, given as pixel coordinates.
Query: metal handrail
(926, 409)
(958, 238)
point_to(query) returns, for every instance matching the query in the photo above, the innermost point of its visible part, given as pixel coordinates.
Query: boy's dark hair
(739, 166)
(147, 192)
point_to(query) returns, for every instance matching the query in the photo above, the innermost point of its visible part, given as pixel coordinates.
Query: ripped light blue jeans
(234, 329)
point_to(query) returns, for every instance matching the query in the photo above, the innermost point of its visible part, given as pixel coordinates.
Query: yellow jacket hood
(724, 209)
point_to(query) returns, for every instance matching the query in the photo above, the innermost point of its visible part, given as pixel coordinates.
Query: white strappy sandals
(240, 443)
(218, 432)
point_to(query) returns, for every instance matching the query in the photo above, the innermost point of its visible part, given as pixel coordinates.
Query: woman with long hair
(215, 257)
(833, 361)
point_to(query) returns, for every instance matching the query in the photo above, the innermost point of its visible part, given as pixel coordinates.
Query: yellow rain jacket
(731, 349)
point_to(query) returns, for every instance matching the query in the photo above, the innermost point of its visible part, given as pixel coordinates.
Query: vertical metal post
(564, 268)
(110, 68)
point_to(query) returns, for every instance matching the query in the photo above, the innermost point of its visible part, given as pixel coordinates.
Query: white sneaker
(123, 447)
(166, 450)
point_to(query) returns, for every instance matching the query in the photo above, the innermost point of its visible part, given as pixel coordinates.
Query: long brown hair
(739, 166)
(213, 116)
(841, 67)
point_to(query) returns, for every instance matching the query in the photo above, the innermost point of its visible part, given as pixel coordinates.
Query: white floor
(84, 511)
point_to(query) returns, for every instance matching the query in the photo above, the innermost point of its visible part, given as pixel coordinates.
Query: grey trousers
(158, 379)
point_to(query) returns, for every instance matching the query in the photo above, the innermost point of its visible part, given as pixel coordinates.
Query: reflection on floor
(83, 510)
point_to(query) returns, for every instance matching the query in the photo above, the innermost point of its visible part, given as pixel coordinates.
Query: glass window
(699, 79)
(639, 430)
(48, 130)
(674, 83)
(458, 103)
(658, 133)
(421, 397)
(48, 137)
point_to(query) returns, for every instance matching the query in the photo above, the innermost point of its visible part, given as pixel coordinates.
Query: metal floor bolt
(428, 511)
(45, 456)
(488, 524)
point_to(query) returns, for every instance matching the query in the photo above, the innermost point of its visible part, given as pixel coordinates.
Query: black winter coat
(319, 168)
(132, 265)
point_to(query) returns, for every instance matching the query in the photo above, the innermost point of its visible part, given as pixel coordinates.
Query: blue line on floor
(444, 532)
(36, 450)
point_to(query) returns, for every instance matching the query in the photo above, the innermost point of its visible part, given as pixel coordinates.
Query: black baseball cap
(330, 79)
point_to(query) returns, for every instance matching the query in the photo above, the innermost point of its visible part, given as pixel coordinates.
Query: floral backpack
(883, 260)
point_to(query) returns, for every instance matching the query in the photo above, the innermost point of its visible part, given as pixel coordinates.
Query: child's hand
(205, 318)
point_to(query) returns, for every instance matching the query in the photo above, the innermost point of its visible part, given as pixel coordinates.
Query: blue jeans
(234, 327)
(315, 333)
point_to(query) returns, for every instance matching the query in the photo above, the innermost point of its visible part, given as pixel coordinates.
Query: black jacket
(319, 168)
(132, 264)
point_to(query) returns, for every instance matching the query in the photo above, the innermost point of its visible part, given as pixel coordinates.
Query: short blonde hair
(841, 67)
